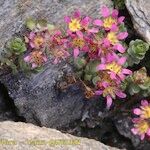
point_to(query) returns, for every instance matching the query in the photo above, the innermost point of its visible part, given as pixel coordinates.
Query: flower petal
(142, 136)
(27, 59)
(98, 22)
(93, 30)
(121, 94)
(105, 11)
(79, 34)
(119, 47)
(34, 65)
(115, 13)
(67, 19)
(85, 21)
(148, 132)
(137, 111)
(144, 103)
(134, 131)
(122, 60)
(101, 67)
(99, 92)
(77, 14)
(126, 71)
(109, 101)
(121, 19)
(122, 35)
(76, 52)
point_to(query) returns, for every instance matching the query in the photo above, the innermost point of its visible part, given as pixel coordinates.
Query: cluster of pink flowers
(142, 122)
(43, 43)
(94, 39)
(102, 40)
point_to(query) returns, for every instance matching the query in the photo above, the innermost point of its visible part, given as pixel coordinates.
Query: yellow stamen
(77, 42)
(112, 37)
(108, 22)
(74, 25)
(38, 41)
(142, 127)
(114, 67)
(146, 112)
(109, 91)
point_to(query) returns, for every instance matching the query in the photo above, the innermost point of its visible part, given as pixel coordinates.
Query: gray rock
(19, 136)
(36, 97)
(140, 13)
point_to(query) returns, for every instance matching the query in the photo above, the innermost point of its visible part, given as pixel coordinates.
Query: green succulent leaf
(16, 46)
(80, 63)
(96, 79)
(30, 23)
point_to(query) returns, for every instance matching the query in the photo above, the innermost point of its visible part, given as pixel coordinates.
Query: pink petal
(45, 59)
(32, 35)
(135, 120)
(27, 59)
(142, 137)
(32, 45)
(77, 14)
(122, 76)
(109, 101)
(134, 131)
(112, 75)
(106, 42)
(55, 61)
(105, 11)
(114, 28)
(93, 30)
(115, 13)
(137, 111)
(122, 60)
(85, 21)
(144, 103)
(76, 52)
(121, 94)
(79, 34)
(99, 92)
(34, 65)
(126, 71)
(105, 84)
(119, 47)
(98, 22)
(67, 19)
(122, 35)
(101, 67)
(148, 132)
(121, 19)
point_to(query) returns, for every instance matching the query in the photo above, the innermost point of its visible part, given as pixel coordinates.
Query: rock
(18, 136)
(7, 111)
(36, 97)
(140, 13)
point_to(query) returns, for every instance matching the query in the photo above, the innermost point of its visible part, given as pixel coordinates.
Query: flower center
(109, 91)
(37, 57)
(146, 112)
(74, 25)
(112, 37)
(77, 42)
(38, 40)
(114, 67)
(143, 127)
(108, 22)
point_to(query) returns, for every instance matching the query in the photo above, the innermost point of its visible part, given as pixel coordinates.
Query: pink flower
(144, 110)
(36, 59)
(36, 40)
(110, 90)
(141, 128)
(76, 23)
(113, 64)
(110, 19)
